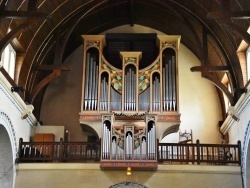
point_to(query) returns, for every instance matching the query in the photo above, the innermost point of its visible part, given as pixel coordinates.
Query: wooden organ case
(130, 107)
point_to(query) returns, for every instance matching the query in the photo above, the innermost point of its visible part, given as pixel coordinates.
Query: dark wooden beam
(132, 12)
(12, 34)
(204, 47)
(52, 67)
(32, 5)
(2, 5)
(229, 14)
(55, 74)
(234, 28)
(23, 14)
(210, 69)
(220, 86)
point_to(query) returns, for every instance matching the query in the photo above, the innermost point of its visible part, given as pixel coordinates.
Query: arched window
(8, 60)
(248, 62)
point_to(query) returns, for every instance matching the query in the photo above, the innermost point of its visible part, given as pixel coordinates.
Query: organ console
(146, 99)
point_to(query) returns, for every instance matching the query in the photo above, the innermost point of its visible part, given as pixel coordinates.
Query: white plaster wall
(90, 176)
(11, 108)
(240, 131)
(199, 103)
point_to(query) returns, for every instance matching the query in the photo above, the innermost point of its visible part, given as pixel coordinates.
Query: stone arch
(245, 158)
(128, 185)
(169, 130)
(6, 122)
(6, 160)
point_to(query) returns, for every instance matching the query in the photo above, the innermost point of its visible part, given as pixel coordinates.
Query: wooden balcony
(167, 153)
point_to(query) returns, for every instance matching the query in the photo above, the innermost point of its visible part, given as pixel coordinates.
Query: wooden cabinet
(44, 149)
(44, 137)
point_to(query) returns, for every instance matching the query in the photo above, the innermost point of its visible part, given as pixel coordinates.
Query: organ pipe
(104, 94)
(169, 85)
(130, 90)
(144, 99)
(91, 83)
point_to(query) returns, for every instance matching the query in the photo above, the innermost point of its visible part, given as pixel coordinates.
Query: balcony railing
(59, 151)
(197, 153)
(215, 154)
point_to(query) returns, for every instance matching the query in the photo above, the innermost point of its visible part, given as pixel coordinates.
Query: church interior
(125, 93)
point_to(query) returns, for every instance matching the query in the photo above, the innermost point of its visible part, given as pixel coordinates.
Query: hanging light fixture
(129, 171)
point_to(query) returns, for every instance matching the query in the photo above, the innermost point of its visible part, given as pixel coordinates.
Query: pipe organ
(123, 98)
(128, 141)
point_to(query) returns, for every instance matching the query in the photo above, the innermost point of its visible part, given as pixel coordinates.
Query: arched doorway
(6, 159)
(127, 185)
(248, 167)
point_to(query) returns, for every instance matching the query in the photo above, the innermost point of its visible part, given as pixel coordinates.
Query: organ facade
(130, 103)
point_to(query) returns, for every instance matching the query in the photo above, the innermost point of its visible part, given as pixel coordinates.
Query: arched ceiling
(45, 32)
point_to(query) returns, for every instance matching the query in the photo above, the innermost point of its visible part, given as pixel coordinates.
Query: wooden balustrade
(216, 154)
(59, 151)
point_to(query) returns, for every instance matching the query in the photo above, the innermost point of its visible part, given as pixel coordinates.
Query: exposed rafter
(210, 69)
(23, 14)
(57, 69)
(229, 15)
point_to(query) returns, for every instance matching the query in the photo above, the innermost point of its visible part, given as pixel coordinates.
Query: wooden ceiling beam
(132, 12)
(229, 14)
(12, 34)
(233, 28)
(32, 5)
(52, 67)
(52, 76)
(24, 14)
(220, 86)
(210, 69)
(3, 4)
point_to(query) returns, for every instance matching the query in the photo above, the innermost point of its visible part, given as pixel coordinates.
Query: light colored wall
(62, 101)
(90, 176)
(240, 130)
(199, 104)
(58, 131)
(11, 108)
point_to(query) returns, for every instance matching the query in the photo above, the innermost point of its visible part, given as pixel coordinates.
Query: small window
(8, 60)
(248, 62)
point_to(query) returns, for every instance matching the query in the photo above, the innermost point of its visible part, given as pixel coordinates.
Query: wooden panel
(38, 138)
(48, 137)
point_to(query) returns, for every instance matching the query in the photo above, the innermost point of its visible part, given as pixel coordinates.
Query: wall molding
(244, 153)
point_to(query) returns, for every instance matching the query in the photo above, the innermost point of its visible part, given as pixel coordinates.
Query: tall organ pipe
(86, 82)
(166, 86)
(163, 88)
(174, 82)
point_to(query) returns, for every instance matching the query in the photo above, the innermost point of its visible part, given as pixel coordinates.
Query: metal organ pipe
(130, 90)
(174, 82)
(86, 82)
(169, 85)
(144, 100)
(104, 94)
(91, 83)
(106, 142)
(151, 143)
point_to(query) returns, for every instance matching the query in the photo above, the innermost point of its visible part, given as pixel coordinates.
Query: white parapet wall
(89, 175)
(17, 118)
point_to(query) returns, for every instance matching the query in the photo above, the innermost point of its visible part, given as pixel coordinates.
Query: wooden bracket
(56, 72)
(210, 69)
(220, 86)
